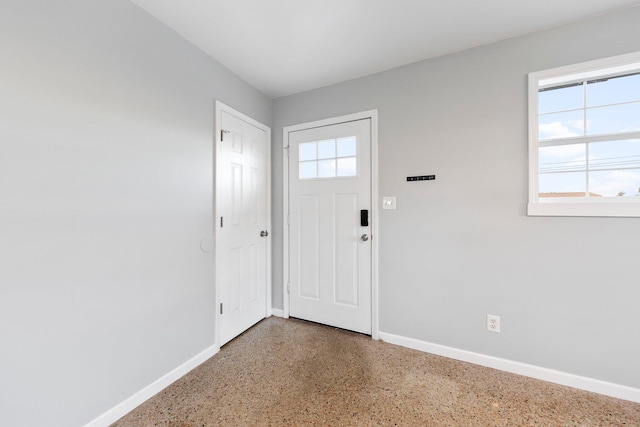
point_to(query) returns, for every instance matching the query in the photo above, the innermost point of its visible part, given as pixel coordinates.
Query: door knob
(264, 233)
(364, 237)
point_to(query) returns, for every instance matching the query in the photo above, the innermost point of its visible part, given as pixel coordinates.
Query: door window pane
(347, 147)
(347, 166)
(308, 170)
(326, 168)
(308, 151)
(327, 149)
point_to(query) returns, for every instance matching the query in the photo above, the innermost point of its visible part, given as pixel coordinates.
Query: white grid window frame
(338, 159)
(564, 76)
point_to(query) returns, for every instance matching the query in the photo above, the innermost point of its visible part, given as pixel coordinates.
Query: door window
(328, 159)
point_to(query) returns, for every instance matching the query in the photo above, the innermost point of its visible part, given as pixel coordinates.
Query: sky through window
(579, 155)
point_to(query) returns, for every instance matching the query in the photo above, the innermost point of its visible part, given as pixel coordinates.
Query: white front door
(330, 225)
(241, 230)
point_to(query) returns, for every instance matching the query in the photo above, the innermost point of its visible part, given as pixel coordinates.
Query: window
(328, 159)
(584, 139)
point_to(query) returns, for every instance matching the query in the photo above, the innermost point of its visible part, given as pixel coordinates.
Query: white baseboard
(123, 408)
(550, 375)
(277, 312)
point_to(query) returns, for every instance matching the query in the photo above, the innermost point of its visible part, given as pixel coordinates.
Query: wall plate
(388, 203)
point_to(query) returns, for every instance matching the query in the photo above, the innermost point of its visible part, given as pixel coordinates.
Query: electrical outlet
(493, 323)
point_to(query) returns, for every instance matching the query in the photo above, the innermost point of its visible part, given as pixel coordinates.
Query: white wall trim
(276, 312)
(123, 408)
(532, 371)
(375, 222)
(373, 116)
(285, 222)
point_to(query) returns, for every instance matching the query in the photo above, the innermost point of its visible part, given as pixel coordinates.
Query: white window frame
(576, 206)
(336, 157)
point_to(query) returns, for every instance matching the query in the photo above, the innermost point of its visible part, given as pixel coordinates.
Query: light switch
(388, 203)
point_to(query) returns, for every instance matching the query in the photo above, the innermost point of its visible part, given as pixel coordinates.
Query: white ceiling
(283, 47)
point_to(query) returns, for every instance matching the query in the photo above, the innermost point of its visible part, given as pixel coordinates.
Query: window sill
(580, 208)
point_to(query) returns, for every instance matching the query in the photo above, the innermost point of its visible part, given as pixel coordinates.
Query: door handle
(264, 233)
(364, 237)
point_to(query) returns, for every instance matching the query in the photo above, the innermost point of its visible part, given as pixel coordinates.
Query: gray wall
(462, 246)
(106, 146)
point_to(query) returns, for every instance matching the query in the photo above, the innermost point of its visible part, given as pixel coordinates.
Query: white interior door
(241, 238)
(329, 241)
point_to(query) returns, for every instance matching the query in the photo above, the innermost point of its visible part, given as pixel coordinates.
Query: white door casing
(243, 291)
(330, 261)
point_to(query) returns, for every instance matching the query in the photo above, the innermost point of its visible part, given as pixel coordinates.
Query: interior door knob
(264, 233)
(364, 237)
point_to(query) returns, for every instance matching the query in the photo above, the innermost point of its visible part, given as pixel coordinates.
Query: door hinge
(221, 221)
(222, 132)
(220, 308)
(289, 287)
(288, 219)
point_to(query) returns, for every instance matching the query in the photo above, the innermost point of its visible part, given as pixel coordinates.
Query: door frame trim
(373, 116)
(220, 107)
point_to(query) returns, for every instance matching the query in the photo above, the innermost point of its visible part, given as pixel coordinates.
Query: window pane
(572, 184)
(619, 118)
(614, 154)
(347, 166)
(568, 98)
(308, 151)
(326, 168)
(327, 149)
(308, 170)
(347, 147)
(613, 91)
(561, 125)
(618, 183)
(562, 158)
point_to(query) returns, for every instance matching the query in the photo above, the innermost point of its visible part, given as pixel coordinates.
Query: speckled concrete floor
(289, 372)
